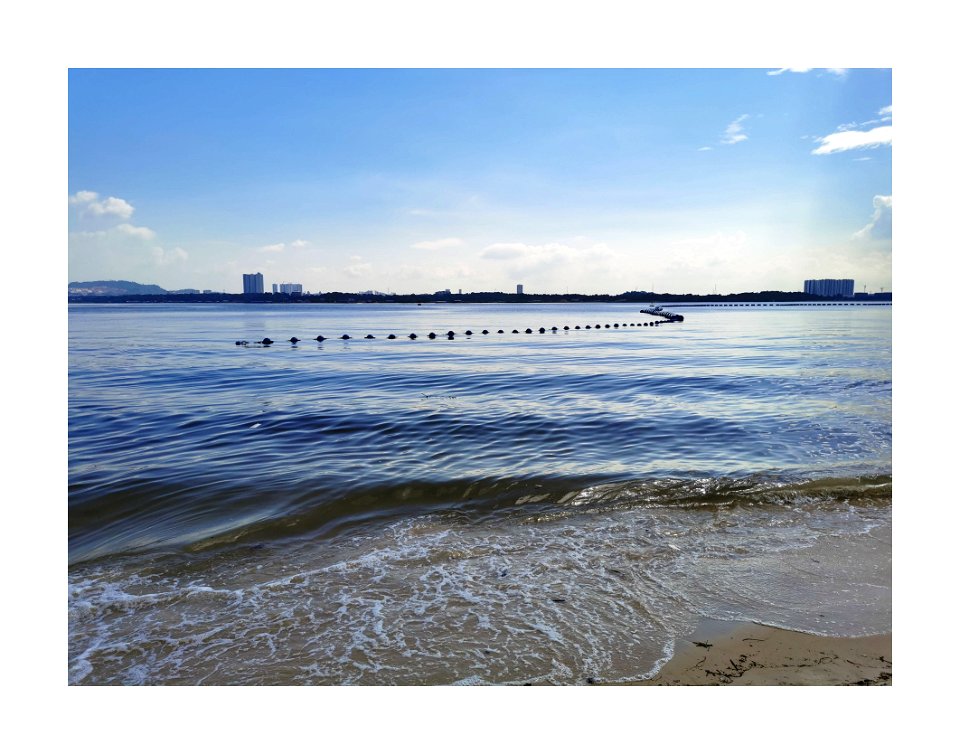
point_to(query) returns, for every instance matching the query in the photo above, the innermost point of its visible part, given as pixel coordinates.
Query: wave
(146, 514)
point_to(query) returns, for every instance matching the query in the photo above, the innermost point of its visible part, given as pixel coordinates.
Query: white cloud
(163, 257)
(888, 110)
(881, 224)
(834, 71)
(83, 197)
(734, 132)
(440, 243)
(273, 248)
(358, 270)
(522, 257)
(89, 204)
(705, 149)
(141, 232)
(841, 141)
(299, 244)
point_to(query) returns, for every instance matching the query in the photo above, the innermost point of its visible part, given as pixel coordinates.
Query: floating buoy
(615, 324)
(528, 331)
(588, 327)
(577, 327)
(485, 332)
(607, 326)
(566, 327)
(412, 336)
(450, 336)
(469, 332)
(554, 329)
(432, 335)
(320, 339)
(542, 330)
(266, 342)
(294, 340)
(515, 332)
(500, 331)
(368, 337)
(450, 333)
(241, 342)
(344, 337)
(391, 336)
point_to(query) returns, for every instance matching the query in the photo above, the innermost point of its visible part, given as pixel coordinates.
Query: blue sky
(591, 180)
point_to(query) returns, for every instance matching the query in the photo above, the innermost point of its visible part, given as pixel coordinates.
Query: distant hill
(113, 288)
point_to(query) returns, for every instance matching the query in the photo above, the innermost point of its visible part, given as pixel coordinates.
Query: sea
(507, 508)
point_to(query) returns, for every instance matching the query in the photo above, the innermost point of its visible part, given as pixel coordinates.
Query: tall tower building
(519, 289)
(253, 283)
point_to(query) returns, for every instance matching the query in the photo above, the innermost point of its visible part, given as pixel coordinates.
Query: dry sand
(722, 653)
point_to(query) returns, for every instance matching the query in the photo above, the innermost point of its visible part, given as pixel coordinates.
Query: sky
(412, 181)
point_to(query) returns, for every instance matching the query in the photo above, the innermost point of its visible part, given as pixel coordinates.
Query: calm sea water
(501, 508)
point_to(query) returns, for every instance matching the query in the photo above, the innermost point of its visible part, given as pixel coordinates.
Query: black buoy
(344, 337)
(607, 326)
(528, 331)
(241, 342)
(294, 340)
(596, 327)
(588, 327)
(554, 329)
(543, 330)
(450, 333)
(468, 332)
(412, 336)
(432, 335)
(320, 339)
(450, 336)
(368, 336)
(566, 327)
(577, 327)
(515, 332)
(391, 336)
(500, 332)
(484, 332)
(266, 342)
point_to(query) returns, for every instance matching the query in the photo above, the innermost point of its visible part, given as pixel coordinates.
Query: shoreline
(731, 653)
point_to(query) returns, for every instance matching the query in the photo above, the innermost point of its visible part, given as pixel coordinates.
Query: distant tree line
(492, 297)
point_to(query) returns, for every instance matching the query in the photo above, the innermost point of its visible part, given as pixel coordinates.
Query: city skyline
(599, 181)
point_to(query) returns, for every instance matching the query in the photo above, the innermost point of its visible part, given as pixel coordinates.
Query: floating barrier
(657, 311)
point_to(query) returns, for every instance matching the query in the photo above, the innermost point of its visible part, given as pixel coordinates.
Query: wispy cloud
(834, 71)
(705, 149)
(440, 243)
(734, 133)
(299, 244)
(842, 141)
(273, 248)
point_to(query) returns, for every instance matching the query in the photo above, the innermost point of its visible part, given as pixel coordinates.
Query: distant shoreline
(734, 299)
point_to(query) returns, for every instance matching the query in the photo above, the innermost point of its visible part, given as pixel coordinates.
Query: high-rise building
(253, 283)
(519, 289)
(829, 287)
(291, 289)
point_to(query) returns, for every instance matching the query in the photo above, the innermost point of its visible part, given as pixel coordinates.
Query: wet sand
(722, 653)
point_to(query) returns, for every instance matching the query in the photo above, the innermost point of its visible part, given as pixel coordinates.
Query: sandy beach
(722, 653)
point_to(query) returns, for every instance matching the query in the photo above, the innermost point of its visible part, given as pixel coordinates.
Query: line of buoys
(656, 311)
